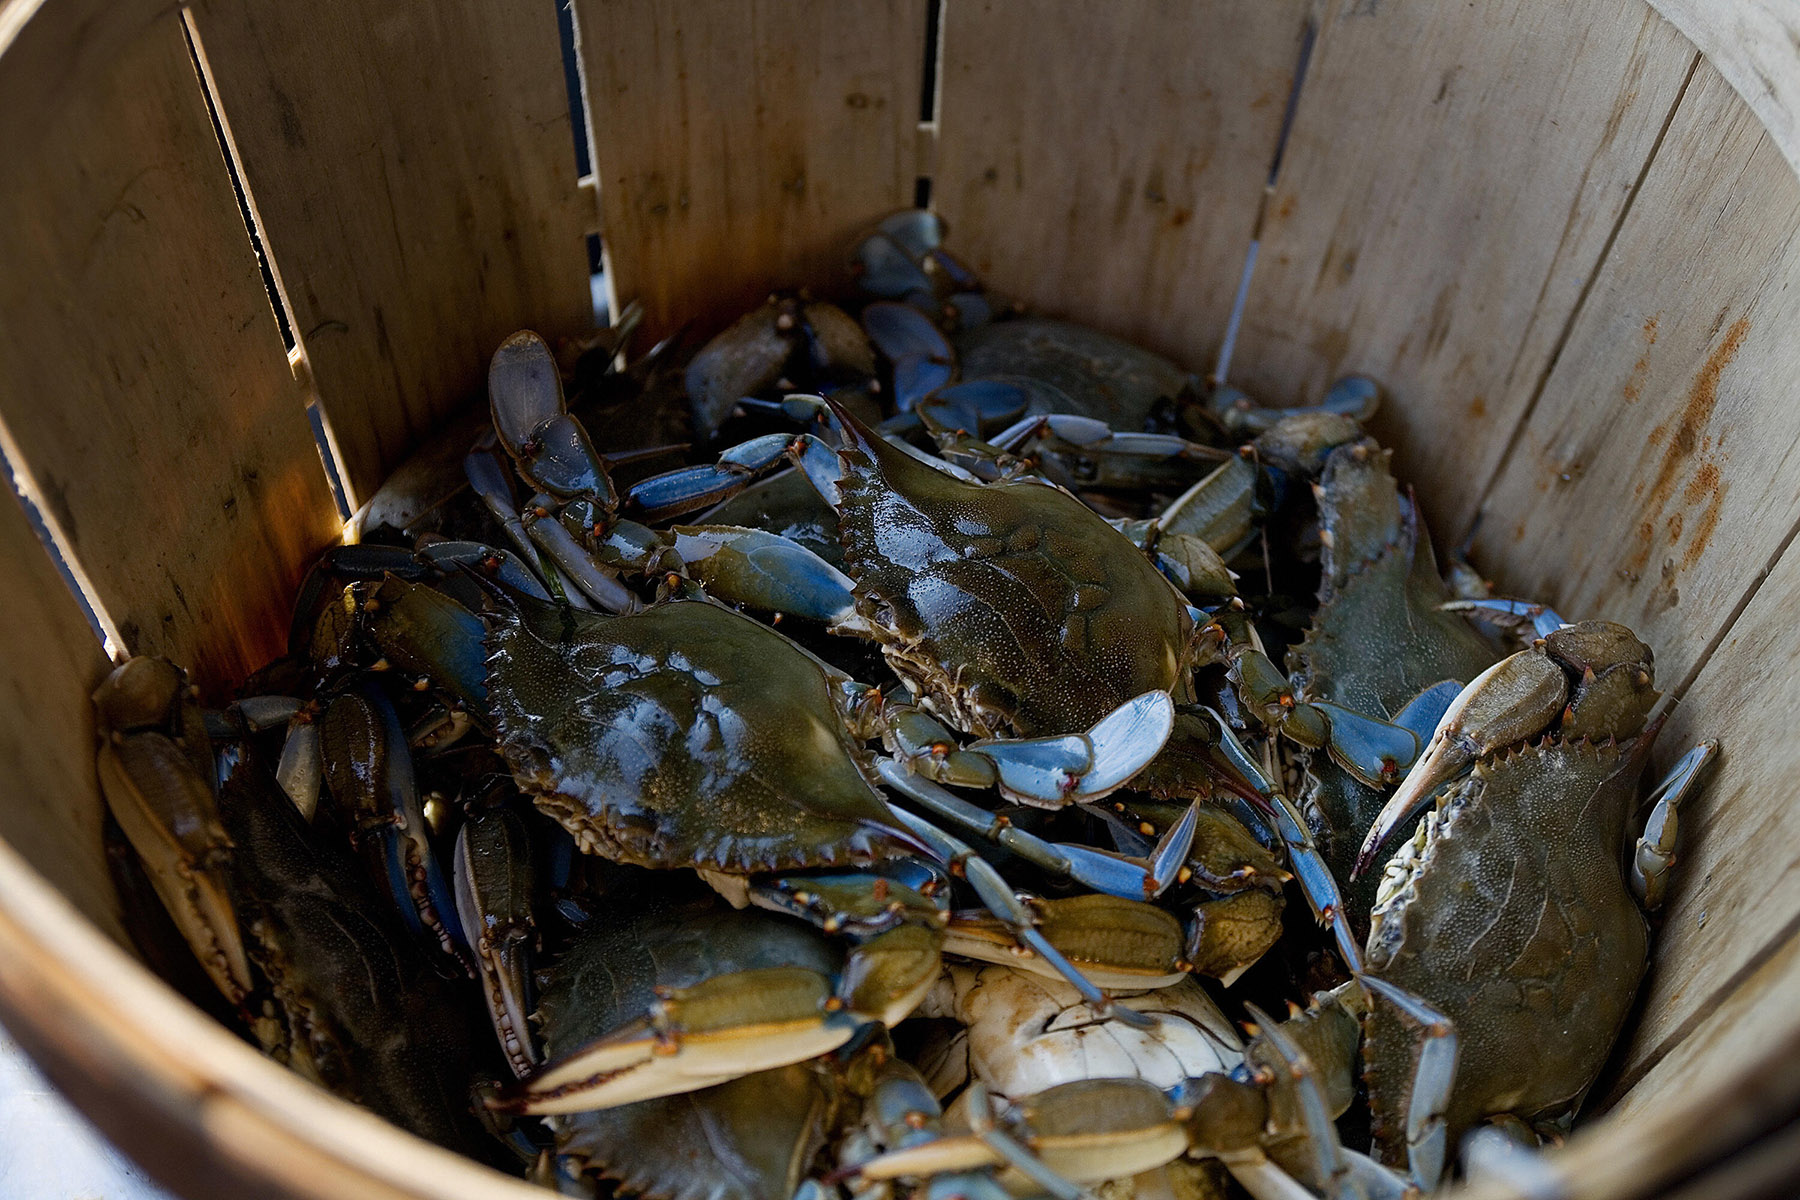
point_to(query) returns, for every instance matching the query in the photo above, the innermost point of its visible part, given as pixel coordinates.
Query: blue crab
(287, 927)
(1517, 906)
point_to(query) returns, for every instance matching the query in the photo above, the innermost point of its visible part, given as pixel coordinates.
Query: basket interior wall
(1561, 237)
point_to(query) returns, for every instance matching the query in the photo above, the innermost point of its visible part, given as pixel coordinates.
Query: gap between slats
(1574, 314)
(331, 459)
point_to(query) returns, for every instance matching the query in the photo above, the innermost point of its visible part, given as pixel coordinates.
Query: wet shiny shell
(1517, 924)
(1012, 608)
(684, 735)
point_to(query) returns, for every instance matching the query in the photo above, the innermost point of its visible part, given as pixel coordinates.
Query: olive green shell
(1012, 608)
(749, 1139)
(1516, 923)
(683, 735)
(1378, 639)
(753, 1138)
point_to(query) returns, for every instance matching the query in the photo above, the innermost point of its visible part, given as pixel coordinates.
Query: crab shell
(684, 736)
(1012, 609)
(1510, 913)
(748, 1138)
(1378, 638)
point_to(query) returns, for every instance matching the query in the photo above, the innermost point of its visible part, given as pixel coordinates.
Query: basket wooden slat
(49, 797)
(1735, 911)
(201, 1110)
(1440, 210)
(144, 389)
(1654, 484)
(1665, 432)
(143, 385)
(740, 146)
(1109, 160)
(1730, 1081)
(1752, 43)
(413, 171)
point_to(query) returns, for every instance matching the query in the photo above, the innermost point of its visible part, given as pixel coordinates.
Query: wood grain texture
(740, 145)
(412, 167)
(1654, 479)
(1736, 897)
(144, 391)
(1755, 45)
(1106, 162)
(50, 662)
(1453, 174)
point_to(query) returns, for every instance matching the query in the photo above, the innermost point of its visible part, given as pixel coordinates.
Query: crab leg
(1114, 874)
(1264, 1180)
(910, 1121)
(1433, 1077)
(1543, 619)
(999, 899)
(493, 880)
(553, 538)
(1119, 458)
(981, 1123)
(685, 489)
(369, 770)
(1354, 396)
(1655, 853)
(1315, 1114)
(1316, 881)
(490, 483)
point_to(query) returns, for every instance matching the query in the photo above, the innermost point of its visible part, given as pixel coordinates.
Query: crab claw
(1114, 942)
(171, 819)
(1052, 772)
(695, 1037)
(922, 358)
(1510, 701)
(531, 418)
(765, 571)
(1372, 750)
(150, 765)
(493, 880)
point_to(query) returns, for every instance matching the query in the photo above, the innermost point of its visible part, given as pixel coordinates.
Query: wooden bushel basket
(1563, 235)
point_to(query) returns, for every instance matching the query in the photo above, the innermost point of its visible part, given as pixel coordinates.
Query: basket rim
(78, 1002)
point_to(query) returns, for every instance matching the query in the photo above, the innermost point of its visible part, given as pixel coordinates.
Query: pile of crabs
(907, 799)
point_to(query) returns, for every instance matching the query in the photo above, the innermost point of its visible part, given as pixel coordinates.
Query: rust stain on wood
(1684, 443)
(1634, 386)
